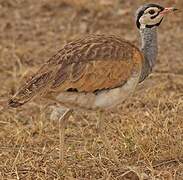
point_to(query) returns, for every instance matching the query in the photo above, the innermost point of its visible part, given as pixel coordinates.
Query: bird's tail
(33, 87)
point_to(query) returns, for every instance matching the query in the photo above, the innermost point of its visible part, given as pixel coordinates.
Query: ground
(147, 130)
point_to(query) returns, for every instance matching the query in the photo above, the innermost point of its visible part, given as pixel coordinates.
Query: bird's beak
(168, 10)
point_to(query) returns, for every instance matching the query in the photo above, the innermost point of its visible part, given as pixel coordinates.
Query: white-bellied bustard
(96, 72)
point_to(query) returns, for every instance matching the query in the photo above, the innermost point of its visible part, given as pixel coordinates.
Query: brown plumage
(88, 65)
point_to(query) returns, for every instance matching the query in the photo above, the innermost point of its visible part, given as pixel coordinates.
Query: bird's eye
(151, 12)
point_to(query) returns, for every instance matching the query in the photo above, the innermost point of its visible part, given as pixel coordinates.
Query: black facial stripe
(153, 17)
(156, 6)
(138, 17)
(141, 10)
(150, 26)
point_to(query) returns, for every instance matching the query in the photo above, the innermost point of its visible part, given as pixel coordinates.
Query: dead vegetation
(147, 131)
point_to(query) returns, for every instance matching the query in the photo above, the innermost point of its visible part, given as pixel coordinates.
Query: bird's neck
(149, 50)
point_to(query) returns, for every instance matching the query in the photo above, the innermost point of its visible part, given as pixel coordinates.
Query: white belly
(105, 99)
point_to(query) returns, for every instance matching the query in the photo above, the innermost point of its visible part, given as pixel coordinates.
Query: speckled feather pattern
(95, 62)
(149, 50)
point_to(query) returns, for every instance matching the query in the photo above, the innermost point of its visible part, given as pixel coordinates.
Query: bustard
(97, 72)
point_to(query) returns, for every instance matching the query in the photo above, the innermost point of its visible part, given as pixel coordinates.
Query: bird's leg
(102, 133)
(62, 124)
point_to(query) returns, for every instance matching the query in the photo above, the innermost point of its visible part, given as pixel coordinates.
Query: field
(146, 132)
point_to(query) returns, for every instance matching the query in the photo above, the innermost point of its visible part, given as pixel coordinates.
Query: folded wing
(91, 64)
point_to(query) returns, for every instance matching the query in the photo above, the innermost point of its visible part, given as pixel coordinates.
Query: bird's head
(150, 15)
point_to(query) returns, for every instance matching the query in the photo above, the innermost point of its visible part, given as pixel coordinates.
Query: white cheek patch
(146, 19)
(151, 8)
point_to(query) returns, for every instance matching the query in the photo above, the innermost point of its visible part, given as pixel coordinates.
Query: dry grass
(147, 131)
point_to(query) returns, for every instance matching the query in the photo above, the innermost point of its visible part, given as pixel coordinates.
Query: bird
(96, 72)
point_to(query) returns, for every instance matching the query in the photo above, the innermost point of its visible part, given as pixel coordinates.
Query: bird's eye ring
(151, 12)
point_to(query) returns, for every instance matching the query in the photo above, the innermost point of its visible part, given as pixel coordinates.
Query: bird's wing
(86, 65)
(92, 76)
